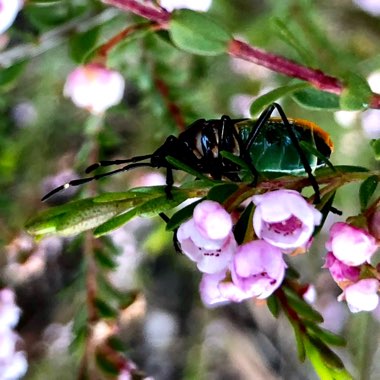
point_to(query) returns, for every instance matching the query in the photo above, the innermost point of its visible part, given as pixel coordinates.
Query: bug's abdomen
(274, 151)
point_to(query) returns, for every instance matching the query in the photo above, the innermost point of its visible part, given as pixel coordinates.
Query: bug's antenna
(81, 181)
(98, 164)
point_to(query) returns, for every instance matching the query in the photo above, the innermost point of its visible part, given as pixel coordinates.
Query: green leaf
(324, 335)
(220, 193)
(82, 44)
(75, 217)
(273, 305)
(104, 260)
(106, 365)
(314, 99)
(330, 358)
(357, 93)
(104, 310)
(302, 308)
(324, 207)
(235, 159)
(196, 33)
(300, 342)
(243, 229)
(115, 223)
(283, 30)
(375, 145)
(151, 207)
(181, 166)
(367, 188)
(9, 76)
(263, 101)
(311, 149)
(116, 343)
(323, 370)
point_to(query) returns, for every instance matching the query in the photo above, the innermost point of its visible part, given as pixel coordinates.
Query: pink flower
(195, 5)
(351, 245)
(94, 87)
(8, 13)
(284, 219)
(215, 290)
(207, 238)
(258, 268)
(340, 271)
(9, 311)
(361, 296)
(211, 256)
(13, 364)
(212, 220)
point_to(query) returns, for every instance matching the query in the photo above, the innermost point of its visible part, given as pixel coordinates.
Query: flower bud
(361, 296)
(94, 87)
(351, 245)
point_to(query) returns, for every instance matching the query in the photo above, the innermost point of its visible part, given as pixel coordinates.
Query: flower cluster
(350, 250)
(13, 364)
(94, 87)
(283, 221)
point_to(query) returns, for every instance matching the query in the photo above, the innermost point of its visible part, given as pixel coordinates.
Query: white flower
(13, 364)
(8, 13)
(361, 296)
(351, 245)
(94, 87)
(195, 5)
(284, 219)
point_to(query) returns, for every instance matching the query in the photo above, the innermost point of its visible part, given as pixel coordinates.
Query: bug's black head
(168, 148)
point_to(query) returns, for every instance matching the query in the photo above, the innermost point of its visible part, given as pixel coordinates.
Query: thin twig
(247, 52)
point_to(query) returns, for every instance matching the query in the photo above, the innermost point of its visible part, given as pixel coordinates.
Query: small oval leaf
(82, 44)
(263, 101)
(314, 99)
(367, 188)
(375, 145)
(357, 93)
(196, 33)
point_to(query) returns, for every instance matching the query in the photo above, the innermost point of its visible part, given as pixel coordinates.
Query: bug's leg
(301, 153)
(81, 181)
(228, 127)
(116, 162)
(169, 182)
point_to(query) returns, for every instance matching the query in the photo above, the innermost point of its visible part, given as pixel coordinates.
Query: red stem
(247, 52)
(285, 66)
(158, 15)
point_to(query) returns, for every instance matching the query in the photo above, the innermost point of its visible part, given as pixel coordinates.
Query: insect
(266, 145)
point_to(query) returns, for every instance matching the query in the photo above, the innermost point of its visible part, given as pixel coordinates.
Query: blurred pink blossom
(258, 268)
(351, 245)
(13, 364)
(284, 219)
(361, 296)
(195, 5)
(94, 87)
(8, 13)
